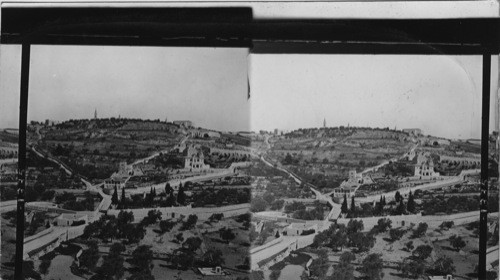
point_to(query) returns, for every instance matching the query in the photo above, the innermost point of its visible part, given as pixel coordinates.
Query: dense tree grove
(457, 242)
(69, 201)
(334, 237)
(338, 236)
(221, 197)
(142, 261)
(371, 267)
(449, 205)
(90, 256)
(190, 222)
(420, 230)
(344, 270)
(112, 267)
(111, 227)
(319, 266)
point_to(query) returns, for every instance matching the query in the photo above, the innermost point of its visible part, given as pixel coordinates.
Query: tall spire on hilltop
(324, 123)
(95, 114)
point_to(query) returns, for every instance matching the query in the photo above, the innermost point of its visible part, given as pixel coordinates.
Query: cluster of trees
(89, 170)
(33, 193)
(260, 169)
(382, 225)
(300, 212)
(184, 257)
(381, 208)
(244, 219)
(450, 204)
(344, 270)
(189, 223)
(90, 256)
(9, 191)
(69, 201)
(112, 266)
(446, 225)
(151, 219)
(457, 242)
(294, 206)
(288, 160)
(319, 180)
(168, 161)
(313, 214)
(416, 265)
(278, 189)
(420, 230)
(277, 204)
(258, 204)
(166, 226)
(142, 263)
(221, 197)
(166, 199)
(226, 234)
(37, 221)
(34, 160)
(371, 267)
(319, 267)
(111, 227)
(339, 236)
(398, 169)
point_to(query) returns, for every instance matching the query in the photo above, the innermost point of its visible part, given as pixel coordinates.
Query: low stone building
(113, 182)
(338, 193)
(299, 228)
(71, 219)
(194, 160)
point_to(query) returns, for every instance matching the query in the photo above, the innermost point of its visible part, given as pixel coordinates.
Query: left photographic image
(136, 162)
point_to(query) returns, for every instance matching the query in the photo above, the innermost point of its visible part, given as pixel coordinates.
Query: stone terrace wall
(432, 221)
(174, 212)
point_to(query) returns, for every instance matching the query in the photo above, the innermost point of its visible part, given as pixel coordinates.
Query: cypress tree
(397, 196)
(124, 199)
(170, 200)
(168, 188)
(343, 208)
(411, 203)
(181, 196)
(353, 206)
(401, 207)
(114, 197)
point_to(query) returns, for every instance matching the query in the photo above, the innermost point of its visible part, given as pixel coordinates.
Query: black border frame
(236, 27)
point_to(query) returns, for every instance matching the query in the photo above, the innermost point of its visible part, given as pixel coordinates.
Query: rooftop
(212, 271)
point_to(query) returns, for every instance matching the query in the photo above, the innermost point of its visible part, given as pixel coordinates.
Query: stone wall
(174, 212)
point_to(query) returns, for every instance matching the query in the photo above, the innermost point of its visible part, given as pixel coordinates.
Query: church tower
(95, 114)
(324, 123)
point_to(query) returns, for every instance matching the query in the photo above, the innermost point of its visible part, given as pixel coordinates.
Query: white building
(464, 161)
(298, 228)
(425, 170)
(113, 182)
(349, 186)
(186, 124)
(344, 190)
(66, 220)
(212, 271)
(194, 160)
(202, 133)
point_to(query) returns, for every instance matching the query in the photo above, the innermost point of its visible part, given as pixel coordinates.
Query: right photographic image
(369, 166)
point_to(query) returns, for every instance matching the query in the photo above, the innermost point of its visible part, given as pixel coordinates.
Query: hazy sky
(441, 95)
(205, 85)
